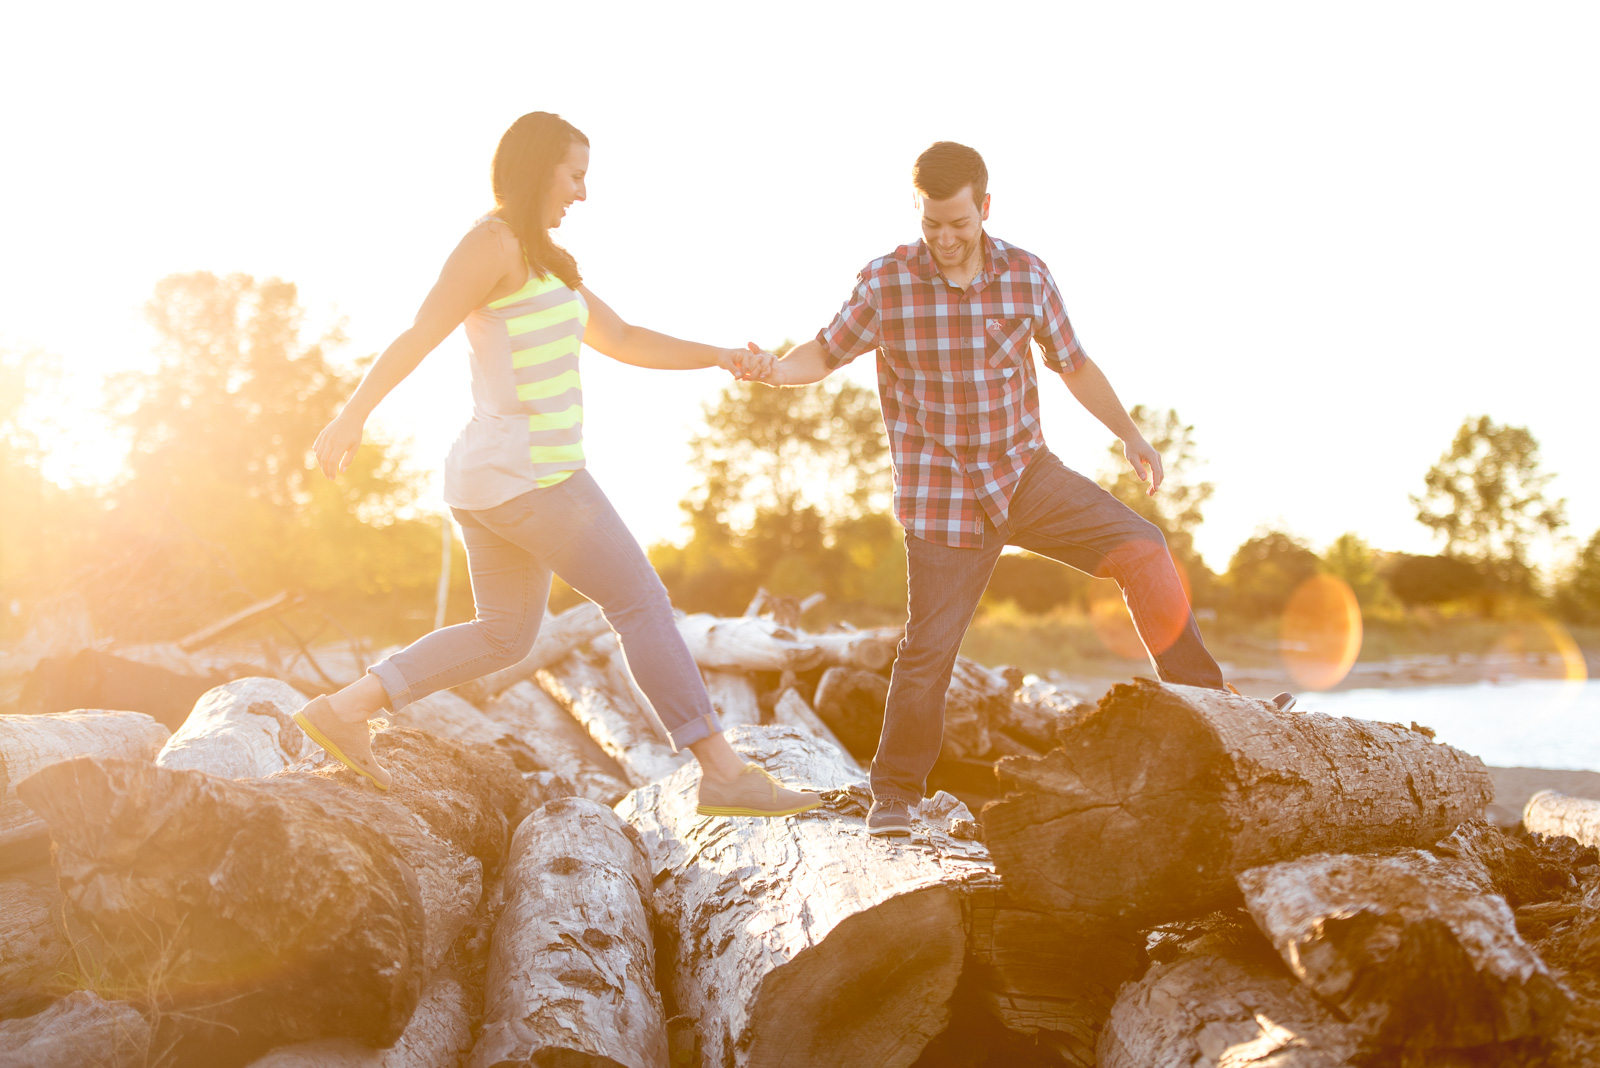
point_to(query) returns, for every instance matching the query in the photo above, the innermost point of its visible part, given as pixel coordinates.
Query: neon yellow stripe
(546, 481)
(562, 420)
(550, 350)
(550, 387)
(531, 288)
(564, 312)
(555, 454)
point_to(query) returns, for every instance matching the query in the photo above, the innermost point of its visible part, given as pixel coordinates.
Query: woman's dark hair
(524, 163)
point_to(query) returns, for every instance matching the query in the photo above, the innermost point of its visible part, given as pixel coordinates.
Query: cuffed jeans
(1054, 512)
(571, 530)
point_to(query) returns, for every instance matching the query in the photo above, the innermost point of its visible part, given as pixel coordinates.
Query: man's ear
(983, 212)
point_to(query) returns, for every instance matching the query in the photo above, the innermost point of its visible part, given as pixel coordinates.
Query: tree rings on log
(1152, 804)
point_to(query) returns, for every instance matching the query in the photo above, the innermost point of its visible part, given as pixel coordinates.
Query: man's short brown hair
(945, 168)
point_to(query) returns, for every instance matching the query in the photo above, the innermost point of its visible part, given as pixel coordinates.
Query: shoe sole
(889, 832)
(737, 810)
(334, 751)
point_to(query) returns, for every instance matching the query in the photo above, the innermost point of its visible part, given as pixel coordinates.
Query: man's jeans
(569, 529)
(1058, 513)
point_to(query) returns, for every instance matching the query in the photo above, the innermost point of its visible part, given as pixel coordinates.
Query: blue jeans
(1054, 512)
(571, 530)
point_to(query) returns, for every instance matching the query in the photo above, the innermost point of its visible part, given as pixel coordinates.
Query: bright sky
(1325, 234)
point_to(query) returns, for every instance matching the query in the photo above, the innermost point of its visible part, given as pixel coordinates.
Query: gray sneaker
(1284, 701)
(752, 793)
(889, 818)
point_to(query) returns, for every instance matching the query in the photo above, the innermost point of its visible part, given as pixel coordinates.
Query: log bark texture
(287, 908)
(747, 643)
(803, 940)
(1416, 950)
(1224, 1001)
(33, 945)
(585, 689)
(559, 635)
(571, 976)
(734, 697)
(851, 701)
(791, 710)
(243, 729)
(438, 1035)
(28, 743)
(1155, 802)
(558, 742)
(864, 650)
(977, 698)
(1050, 976)
(1038, 712)
(78, 1031)
(1551, 812)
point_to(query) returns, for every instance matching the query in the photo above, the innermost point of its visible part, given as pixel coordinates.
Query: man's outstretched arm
(1089, 384)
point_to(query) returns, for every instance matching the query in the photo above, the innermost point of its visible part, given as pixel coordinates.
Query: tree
(1264, 572)
(1431, 580)
(1350, 559)
(793, 495)
(1486, 499)
(1579, 595)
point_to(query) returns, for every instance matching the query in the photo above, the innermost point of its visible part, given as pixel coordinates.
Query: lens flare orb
(1320, 632)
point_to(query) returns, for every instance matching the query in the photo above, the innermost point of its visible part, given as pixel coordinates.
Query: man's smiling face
(953, 227)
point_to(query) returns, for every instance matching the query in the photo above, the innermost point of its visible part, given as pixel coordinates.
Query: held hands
(751, 364)
(1146, 462)
(337, 444)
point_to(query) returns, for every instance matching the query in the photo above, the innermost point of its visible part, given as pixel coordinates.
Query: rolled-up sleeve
(854, 330)
(1055, 334)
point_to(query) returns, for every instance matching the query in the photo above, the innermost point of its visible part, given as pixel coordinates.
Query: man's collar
(996, 260)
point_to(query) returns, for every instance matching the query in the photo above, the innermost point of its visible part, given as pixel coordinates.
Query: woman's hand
(337, 444)
(747, 364)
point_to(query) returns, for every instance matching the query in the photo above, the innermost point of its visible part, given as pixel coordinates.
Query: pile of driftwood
(1170, 877)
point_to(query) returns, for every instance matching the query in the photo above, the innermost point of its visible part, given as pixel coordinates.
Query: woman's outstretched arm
(476, 267)
(609, 334)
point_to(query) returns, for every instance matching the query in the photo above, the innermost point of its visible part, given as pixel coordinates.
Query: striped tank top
(527, 406)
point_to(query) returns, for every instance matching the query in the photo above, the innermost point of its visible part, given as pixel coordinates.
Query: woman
(515, 478)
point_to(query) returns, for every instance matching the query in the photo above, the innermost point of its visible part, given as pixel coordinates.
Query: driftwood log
(1051, 977)
(1152, 804)
(80, 1030)
(33, 946)
(282, 909)
(1414, 949)
(28, 743)
(734, 697)
(865, 650)
(1552, 812)
(1038, 712)
(559, 635)
(586, 690)
(791, 710)
(747, 643)
(558, 742)
(804, 940)
(438, 1034)
(243, 729)
(851, 701)
(571, 975)
(95, 679)
(1223, 1000)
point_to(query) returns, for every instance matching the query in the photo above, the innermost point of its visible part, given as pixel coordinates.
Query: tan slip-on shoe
(347, 742)
(752, 793)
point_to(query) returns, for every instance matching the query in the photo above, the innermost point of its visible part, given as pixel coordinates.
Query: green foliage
(1351, 559)
(792, 496)
(1264, 572)
(1486, 499)
(1037, 584)
(1433, 580)
(1578, 596)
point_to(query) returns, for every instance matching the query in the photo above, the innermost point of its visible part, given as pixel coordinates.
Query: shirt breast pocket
(1006, 342)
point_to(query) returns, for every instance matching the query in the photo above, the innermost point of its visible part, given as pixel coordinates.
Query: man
(953, 318)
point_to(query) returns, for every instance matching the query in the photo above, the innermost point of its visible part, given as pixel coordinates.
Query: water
(1532, 723)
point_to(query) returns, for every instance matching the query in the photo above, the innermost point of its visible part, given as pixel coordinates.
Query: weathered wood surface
(977, 697)
(791, 710)
(571, 975)
(438, 1035)
(79, 1031)
(1049, 976)
(747, 643)
(243, 729)
(558, 636)
(1224, 1000)
(1551, 812)
(288, 908)
(558, 742)
(851, 701)
(734, 697)
(28, 743)
(865, 650)
(1038, 712)
(1153, 803)
(33, 945)
(585, 689)
(1414, 949)
(804, 940)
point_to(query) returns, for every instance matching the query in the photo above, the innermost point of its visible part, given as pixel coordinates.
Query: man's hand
(1145, 460)
(337, 444)
(752, 364)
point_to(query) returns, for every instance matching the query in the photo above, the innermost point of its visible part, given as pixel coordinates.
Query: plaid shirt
(956, 379)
